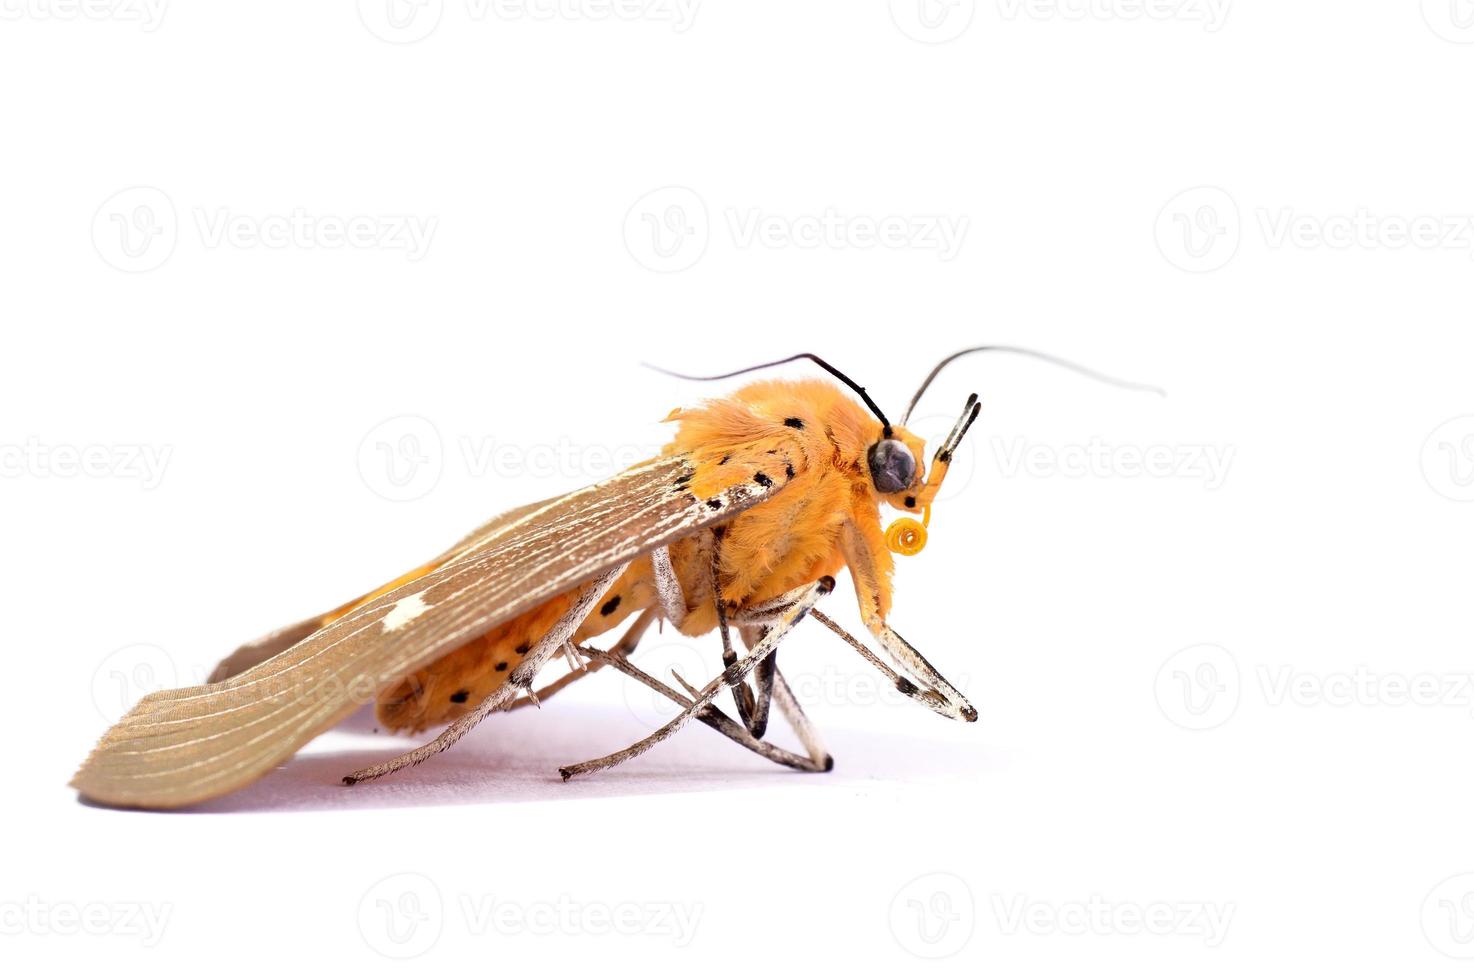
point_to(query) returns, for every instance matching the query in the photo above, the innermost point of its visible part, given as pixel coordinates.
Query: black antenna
(869, 402)
(1027, 352)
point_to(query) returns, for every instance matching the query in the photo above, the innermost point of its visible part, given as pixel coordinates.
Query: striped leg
(728, 677)
(939, 694)
(788, 705)
(713, 716)
(624, 647)
(521, 677)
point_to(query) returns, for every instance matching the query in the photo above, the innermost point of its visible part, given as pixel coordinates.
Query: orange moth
(739, 527)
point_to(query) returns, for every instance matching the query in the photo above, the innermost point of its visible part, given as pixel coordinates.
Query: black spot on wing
(762, 479)
(609, 607)
(460, 697)
(794, 423)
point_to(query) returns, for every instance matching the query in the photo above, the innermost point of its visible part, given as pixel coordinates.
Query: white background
(1262, 207)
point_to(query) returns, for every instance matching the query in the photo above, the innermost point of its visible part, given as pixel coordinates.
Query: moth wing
(191, 744)
(248, 655)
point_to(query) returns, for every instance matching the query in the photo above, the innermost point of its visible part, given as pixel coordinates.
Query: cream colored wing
(191, 744)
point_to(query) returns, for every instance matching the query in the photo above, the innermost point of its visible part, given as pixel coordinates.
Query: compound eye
(892, 467)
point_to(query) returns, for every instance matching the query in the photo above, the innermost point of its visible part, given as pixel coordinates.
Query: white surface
(1064, 155)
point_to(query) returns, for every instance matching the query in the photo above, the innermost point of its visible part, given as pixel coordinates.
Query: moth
(739, 527)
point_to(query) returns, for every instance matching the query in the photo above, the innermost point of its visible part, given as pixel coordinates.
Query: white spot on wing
(406, 609)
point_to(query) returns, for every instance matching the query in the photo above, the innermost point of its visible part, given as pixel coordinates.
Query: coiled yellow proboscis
(907, 535)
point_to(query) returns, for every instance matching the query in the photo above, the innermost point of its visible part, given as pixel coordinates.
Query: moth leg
(751, 708)
(624, 647)
(729, 676)
(807, 735)
(767, 612)
(714, 717)
(668, 587)
(753, 618)
(927, 698)
(868, 588)
(521, 677)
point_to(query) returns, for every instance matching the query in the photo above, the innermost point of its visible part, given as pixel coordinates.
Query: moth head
(895, 468)
(892, 466)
